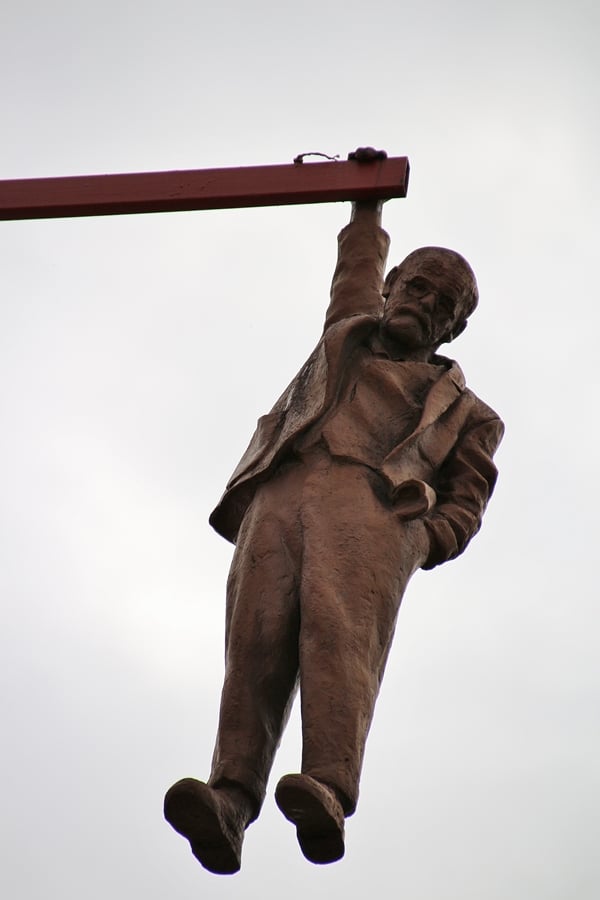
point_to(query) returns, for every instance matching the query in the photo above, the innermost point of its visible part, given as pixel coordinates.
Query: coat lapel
(418, 454)
(443, 393)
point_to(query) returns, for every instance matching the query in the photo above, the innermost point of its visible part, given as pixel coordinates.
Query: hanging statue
(376, 461)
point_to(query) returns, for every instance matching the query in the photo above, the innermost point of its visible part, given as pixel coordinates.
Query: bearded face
(428, 298)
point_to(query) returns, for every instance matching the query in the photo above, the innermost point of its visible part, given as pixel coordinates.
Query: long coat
(449, 451)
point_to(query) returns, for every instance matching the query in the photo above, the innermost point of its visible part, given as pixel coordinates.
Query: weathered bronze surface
(374, 462)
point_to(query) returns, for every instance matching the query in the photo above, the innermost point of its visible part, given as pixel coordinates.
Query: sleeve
(465, 484)
(358, 277)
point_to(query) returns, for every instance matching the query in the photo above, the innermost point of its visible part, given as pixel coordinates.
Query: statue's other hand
(367, 154)
(413, 498)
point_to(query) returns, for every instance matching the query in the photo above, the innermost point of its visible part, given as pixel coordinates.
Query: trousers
(318, 573)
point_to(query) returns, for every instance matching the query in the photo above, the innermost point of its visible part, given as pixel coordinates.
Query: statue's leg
(357, 561)
(261, 674)
(262, 628)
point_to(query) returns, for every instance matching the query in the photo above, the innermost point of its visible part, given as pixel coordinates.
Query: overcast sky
(137, 353)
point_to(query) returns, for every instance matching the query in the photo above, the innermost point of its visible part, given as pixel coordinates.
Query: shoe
(211, 821)
(317, 814)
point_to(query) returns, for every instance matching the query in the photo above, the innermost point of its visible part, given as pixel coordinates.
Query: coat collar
(443, 393)
(339, 341)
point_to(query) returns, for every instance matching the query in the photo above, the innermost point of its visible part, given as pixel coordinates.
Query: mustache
(411, 311)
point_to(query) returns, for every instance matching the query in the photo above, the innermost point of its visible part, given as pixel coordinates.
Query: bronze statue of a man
(376, 461)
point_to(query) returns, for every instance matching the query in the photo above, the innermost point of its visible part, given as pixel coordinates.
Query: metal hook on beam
(300, 157)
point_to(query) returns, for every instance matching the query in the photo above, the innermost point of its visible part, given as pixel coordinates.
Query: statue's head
(429, 297)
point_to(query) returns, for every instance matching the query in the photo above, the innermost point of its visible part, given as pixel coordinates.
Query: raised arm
(362, 254)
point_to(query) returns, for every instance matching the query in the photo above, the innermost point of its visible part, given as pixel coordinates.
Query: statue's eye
(417, 287)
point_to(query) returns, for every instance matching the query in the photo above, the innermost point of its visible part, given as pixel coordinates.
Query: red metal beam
(144, 192)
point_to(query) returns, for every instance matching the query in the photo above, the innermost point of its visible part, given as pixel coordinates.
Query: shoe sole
(190, 809)
(320, 835)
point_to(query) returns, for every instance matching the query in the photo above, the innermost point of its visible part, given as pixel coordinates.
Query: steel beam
(145, 192)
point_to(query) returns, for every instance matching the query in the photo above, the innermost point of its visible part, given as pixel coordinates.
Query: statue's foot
(211, 820)
(317, 814)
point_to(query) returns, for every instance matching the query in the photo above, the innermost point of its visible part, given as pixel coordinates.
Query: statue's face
(421, 310)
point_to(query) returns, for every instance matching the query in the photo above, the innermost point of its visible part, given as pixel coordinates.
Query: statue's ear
(455, 331)
(389, 280)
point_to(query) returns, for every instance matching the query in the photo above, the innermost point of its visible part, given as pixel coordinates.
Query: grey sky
(136, 355)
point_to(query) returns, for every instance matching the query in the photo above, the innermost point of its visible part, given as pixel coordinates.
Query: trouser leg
(357, 560)
(262, 626)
